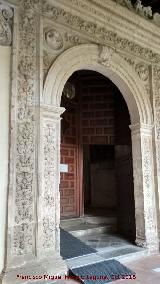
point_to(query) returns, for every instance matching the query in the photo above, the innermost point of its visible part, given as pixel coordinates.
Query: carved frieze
(6, 17)
(99, 34)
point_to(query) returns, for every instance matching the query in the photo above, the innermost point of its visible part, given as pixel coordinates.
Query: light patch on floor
(156, 269)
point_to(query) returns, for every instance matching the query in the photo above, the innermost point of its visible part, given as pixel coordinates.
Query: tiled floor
(143, 268)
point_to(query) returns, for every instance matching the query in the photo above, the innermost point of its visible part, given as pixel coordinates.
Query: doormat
(102, 272)
(71, 247)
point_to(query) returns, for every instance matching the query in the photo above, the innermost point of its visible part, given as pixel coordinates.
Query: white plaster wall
(4, 131)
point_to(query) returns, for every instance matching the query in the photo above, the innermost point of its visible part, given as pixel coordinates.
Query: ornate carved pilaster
(156, 110)
(50, 178)
(143, 168)
(49, 195)
(6, 17)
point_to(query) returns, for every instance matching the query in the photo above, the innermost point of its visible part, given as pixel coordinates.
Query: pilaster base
(44, 271)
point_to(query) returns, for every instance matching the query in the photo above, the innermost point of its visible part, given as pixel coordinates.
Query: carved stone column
(144, 187)
(49, 195)
(156, 109)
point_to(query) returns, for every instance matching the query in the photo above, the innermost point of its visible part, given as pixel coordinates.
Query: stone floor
(144, 269)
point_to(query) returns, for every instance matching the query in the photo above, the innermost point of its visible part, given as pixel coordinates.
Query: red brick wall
(90, 118)
(97, 114)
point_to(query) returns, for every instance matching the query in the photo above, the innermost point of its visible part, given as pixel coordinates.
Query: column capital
(141, 128)
(53, 112)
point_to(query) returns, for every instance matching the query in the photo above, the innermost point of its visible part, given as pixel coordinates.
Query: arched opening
(90, 57)
(96, 156)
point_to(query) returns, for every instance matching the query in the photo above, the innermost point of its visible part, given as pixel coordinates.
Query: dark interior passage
(96, 152)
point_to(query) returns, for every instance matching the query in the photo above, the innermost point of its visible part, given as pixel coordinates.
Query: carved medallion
(53, 39)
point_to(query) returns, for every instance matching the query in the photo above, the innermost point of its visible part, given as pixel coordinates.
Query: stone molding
(6, 21)
(142, 40)
(87, 56)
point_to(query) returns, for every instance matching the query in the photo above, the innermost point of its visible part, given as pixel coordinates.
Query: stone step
(100, 219)
(93, 229)
(122, 254)
(92, 220)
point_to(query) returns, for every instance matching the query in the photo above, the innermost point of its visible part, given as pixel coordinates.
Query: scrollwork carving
(6, 17)
(98, 33)
(49, 150)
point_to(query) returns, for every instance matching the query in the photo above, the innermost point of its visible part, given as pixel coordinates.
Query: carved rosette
(23, 216)
(6, 18)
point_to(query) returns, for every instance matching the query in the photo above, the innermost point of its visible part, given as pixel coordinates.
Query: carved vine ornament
(93, 31)
(6, 16)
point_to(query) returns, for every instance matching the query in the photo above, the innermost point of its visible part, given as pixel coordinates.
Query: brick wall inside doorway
(98, 115)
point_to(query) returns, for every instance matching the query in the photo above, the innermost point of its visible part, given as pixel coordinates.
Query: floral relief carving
(23, 241)
(98, 33)
(6, 18)
(49, 148)
(147, 162)
(148, 193)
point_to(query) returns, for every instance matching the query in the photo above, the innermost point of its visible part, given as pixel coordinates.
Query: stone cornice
(114, 29)
(116, 17)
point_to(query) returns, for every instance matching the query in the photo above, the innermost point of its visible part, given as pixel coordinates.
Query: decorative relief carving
(156, 98)
(105, 55)
(143, 71)
(149, 206)
(73, 39)
(97, 33)
(49, 148)
(22, 243)
(6, 17)
(144, 11)
(53, 39)
(22, 239)
(147, 172)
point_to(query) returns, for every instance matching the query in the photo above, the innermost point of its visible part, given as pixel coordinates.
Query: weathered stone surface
(50, 42)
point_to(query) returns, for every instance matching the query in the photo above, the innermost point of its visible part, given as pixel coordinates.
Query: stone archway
(109, 63)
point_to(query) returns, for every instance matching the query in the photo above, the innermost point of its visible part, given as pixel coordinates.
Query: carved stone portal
(32, 228)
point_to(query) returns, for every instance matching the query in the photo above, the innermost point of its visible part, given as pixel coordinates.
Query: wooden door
(70, 191)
